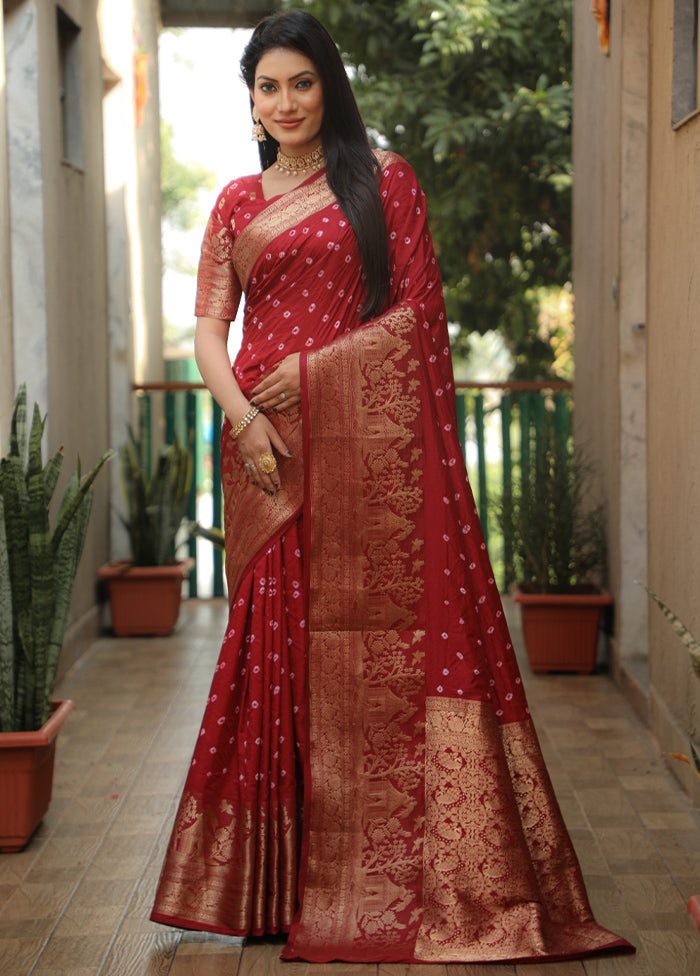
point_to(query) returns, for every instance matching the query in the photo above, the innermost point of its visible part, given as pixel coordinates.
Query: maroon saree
(367, 659)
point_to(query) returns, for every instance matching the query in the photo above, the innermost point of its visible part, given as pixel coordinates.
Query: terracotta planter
(145, 600)
(694, 910)
(561, 630)
(26, 778)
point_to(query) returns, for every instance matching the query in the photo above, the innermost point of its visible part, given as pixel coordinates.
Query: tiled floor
(76, 901)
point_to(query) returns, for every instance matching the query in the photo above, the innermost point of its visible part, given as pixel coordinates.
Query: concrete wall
(6, 352)
(610, 218)
(636, 227)
(596, 260)
(674, 403)
(84, 319)
(57, 246)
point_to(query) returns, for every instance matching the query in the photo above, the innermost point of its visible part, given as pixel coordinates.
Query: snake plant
(156, 503)
(693, 647)
(37, 568)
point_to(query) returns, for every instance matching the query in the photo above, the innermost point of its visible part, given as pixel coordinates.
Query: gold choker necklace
(300, 165)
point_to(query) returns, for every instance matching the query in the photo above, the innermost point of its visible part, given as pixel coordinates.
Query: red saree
(376, 669)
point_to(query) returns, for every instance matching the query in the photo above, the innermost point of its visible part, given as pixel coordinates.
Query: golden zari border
(253, 518)
(366, 657)
(281, 215)
(210, 876)
(218, 288)
(501, 880)
(365, 471)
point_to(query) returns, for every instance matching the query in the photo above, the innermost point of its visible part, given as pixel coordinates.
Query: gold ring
(283, 395)
(267, 463)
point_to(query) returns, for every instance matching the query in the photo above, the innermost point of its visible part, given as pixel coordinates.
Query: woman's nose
(286, 99)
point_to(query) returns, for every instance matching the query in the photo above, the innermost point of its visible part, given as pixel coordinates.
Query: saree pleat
(232, 862)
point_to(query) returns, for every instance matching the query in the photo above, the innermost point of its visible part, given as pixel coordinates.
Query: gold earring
(259, 134)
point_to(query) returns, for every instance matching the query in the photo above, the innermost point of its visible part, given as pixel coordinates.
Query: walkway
(76, 901)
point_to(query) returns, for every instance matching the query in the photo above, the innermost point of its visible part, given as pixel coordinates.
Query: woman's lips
(289, 123)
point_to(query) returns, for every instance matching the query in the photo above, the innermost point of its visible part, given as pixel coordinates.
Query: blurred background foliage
(477, 95)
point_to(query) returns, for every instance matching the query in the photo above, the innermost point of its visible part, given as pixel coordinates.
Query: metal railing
(500, 424)
(190, 411)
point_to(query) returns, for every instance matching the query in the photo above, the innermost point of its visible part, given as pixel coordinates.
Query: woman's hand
(281, 389)
(257, 443)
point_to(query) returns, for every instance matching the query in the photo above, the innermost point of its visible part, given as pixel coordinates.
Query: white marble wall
(26, 199)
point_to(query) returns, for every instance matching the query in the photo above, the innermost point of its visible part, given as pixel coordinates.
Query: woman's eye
(304, 83)
(267, 87)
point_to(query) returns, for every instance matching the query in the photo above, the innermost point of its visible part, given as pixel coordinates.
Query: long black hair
(352, 169)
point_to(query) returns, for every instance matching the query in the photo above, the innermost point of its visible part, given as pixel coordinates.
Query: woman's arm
(259, 437)
(211, 353)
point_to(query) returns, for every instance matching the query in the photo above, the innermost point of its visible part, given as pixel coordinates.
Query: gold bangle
(244, 421)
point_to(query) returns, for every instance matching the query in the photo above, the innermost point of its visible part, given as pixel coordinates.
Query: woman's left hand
(281, 389)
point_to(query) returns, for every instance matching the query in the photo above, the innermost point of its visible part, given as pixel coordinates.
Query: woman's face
(289, 98)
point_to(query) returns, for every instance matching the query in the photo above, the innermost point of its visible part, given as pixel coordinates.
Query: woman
(367, 676)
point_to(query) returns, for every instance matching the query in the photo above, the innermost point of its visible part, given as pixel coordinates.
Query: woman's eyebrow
(306, 71)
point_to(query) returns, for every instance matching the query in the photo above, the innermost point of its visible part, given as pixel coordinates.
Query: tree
(477, 95)
(180, 184)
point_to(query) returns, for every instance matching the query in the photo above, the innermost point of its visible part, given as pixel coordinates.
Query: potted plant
(557, 541)
(37, 570)
(693, 646)
(145, 591)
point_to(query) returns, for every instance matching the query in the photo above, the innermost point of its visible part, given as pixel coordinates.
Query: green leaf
(40, 570)
(213, 535)
(16, 507)
(51, 473)
(157, 505)
(73, 499)
(679, 627)
(65, 566)
(7, 654)
(37, 569)
(18, 426)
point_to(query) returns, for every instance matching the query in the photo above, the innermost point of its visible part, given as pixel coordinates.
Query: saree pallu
(431, 831)
(367, 659)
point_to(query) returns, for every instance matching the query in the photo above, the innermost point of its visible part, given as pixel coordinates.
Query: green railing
(500, 424)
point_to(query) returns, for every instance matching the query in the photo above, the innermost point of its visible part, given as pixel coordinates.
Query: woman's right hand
(256, 442)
